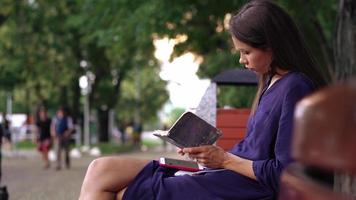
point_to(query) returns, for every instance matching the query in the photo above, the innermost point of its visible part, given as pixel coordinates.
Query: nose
(242, 60)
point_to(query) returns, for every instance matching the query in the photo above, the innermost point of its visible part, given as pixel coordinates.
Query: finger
(197, 156)
(194, 150)
(202, 161)
(192, 156)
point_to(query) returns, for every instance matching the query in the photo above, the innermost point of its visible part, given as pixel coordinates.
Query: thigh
(114, 173)
(216, 185)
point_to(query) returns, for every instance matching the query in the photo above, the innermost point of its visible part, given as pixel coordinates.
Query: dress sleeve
(268, 171)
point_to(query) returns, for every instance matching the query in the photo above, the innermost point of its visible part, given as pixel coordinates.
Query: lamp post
(85, 83)
(85, 89)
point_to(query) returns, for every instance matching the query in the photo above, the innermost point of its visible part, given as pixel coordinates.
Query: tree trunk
(63, 98)
(103, 119)
(345, 68)
(345, 43)
(75, 100)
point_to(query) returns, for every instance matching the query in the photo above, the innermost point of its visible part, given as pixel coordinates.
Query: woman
(44, 140)
(269, 44)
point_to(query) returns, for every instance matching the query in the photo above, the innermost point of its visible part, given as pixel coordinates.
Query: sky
(184, 86)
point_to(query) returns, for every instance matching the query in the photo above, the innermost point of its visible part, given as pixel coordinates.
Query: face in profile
(254, 59)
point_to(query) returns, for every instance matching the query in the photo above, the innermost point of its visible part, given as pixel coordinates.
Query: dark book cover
(190, 131)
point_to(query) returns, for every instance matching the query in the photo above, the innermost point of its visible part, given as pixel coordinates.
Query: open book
(190, 131)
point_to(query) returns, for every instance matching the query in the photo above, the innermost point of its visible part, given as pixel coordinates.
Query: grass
(105, 148)
(151, 143)
(112, 148)
(25, 144)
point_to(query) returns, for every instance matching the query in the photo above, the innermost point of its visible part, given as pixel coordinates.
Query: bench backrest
(232, 123)
(325, 139)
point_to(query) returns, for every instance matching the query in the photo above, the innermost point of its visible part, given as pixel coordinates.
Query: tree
(119, 41)
(34, 43)
(345, 40)
(54, 37)
(345, 68)
(115, 39)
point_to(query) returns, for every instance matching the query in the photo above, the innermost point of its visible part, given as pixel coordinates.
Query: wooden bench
(298, 185)
(232, 122)
(325, 140)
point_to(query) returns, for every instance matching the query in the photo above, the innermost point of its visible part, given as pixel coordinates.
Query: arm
(36, 135)
(53, 129)
(268, 171)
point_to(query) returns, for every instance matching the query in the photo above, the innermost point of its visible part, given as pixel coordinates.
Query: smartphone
(184, 165)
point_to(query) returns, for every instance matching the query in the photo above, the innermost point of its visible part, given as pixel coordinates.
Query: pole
(86, 121)
(9, 104)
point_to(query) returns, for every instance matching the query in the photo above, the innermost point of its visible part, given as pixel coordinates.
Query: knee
(95, 171)
(98, 166)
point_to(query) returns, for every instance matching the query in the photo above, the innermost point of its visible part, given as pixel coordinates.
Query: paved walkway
(26, 180)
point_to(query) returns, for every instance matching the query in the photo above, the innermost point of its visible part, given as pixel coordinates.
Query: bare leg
(107, 176)
(45, 159)
(66, 150)
(59, 153)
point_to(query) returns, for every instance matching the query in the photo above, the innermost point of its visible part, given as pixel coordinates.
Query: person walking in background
(61, 129)
(43, 135)
(122, 130)
(136, 136)
(4, 195)
(7, 136)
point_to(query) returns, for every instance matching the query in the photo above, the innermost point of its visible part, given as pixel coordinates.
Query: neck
(279, 74)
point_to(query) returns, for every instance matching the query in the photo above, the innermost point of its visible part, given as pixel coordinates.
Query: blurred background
(127, 67)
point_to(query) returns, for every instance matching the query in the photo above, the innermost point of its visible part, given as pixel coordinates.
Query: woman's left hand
(208, 155)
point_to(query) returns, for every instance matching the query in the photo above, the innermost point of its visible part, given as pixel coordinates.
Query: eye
(244, 52)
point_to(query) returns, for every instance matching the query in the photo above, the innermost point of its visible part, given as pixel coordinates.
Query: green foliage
(235, 96)
(174, 115)
(317, 20)
(35, 49)
(43, 42)
(204, 24)
(145, 94)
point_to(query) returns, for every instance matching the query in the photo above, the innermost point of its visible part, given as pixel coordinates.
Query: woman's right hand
(208, 155)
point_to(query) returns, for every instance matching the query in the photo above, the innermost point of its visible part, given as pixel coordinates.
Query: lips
(249, 68)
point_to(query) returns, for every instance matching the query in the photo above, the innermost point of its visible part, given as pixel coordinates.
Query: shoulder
(296, 81)
(296, 87)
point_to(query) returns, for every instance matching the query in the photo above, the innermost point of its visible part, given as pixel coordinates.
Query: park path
(26, 180)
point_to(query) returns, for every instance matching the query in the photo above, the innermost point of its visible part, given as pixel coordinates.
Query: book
(184, 165)
(190, 131)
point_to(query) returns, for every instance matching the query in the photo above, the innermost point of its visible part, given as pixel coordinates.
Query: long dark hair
(263, 24)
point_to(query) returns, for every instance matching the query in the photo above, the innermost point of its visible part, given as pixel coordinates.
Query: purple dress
(267, 144)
